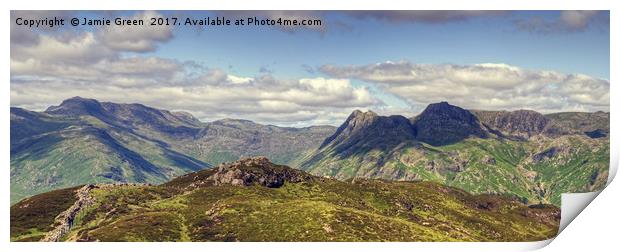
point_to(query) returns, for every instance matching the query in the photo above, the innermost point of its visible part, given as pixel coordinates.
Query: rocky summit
(77, 106)
(442, 123)
(365, 127)
(257, 170)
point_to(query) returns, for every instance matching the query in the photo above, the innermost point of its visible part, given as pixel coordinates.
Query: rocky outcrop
(489, 160)
(64, 221)
(257, 171)
(544, 213)
(595, 125)
(521, 123)
(525, 124)
(551, 153)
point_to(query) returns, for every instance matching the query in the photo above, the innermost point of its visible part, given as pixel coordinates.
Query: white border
(307, 5)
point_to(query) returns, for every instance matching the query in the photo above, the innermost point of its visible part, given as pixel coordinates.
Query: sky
(390, 62)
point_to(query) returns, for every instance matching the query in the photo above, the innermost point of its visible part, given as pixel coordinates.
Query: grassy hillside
(526, 170)
(211, 205)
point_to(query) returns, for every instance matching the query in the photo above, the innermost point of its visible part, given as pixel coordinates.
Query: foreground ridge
(254, 199)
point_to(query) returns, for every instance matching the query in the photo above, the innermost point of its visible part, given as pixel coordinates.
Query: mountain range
(86, 141)
(523, 154)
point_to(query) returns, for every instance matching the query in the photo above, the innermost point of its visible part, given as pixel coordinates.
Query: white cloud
(238, 80)
(137, 38)
(482, 86)
(284, 102)
(49, 66)
(49, 46)
(73, 48)
(60, 66)
(56, 66)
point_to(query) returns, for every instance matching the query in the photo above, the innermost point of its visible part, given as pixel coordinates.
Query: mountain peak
(444, 104)
(358, 114)
(367, 127)
(79, 98)
(442, 107)
(76, 106)
(359, 119)
(443, 123)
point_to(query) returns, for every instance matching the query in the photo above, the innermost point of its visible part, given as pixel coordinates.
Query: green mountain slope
(77, 155)
(255, 200)
(87, 141)
(523, 154)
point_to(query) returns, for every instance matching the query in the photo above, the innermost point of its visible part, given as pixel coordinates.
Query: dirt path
(65, 219)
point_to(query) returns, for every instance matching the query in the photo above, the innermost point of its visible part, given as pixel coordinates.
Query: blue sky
(481, 39)
(389, 62)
